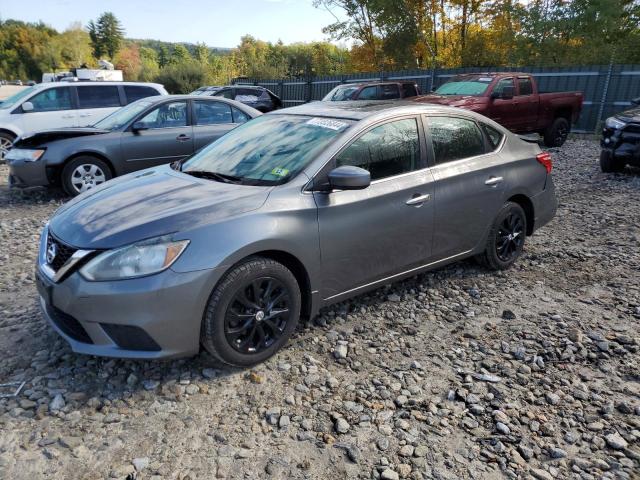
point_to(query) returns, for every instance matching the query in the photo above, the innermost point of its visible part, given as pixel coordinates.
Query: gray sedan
(295, 210)
(145, 133)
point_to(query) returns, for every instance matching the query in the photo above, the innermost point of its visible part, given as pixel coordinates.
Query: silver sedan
(293, 211)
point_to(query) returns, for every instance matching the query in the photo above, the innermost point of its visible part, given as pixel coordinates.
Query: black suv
(621, 140)
(373, 91)
(259, 98)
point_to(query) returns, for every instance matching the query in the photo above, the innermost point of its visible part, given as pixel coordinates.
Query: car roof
(492, 74)
(57, 84)
(359, 109)
(376, 82)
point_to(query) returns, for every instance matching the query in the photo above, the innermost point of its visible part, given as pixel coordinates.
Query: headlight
(28, 155)
(613, 122)
(144, 258)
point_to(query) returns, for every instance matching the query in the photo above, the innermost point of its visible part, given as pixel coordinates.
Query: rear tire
(251, 313)
(84, 173)
(506, 238)
(6, 141)
(556, 134)
(609, 163)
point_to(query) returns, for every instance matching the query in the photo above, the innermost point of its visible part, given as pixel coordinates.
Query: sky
(218, 23)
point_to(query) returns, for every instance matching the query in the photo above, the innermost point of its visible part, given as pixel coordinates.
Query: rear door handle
(183, 138)
(419, 200)
(86, 114)
(493, 181)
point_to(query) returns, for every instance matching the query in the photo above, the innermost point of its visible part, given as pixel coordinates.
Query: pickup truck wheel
(556, 134)
(84, 173)
(251, 313)
(6, 141)
(609, 163)
(506, 238)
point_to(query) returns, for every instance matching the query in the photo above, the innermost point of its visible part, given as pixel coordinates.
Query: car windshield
(123, 116)
(473, 86)
(269, 150)
(16, 97)
(341, 93)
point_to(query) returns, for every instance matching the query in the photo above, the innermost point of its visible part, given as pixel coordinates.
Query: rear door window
(384, 151)
(52, 99)
(226, 93)
(98, 96)
(389, 92)
(212, 113)
(136, 92)
(455, 138)
(368, 93)
(524, 86)
(247, 94)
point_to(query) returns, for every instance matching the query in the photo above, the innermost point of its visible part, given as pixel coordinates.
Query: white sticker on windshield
(485, 79)
(327, 123)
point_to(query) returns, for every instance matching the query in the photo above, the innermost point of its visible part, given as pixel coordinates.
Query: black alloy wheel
(510, 238)
(257, 315)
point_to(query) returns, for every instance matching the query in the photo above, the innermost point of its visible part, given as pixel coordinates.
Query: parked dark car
(512, 99)
(260, 98)
(291, 212)
(372, 91)
(621, 140)
(145, 133)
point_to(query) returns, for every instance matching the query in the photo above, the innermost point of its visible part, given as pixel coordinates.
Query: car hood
(147, 204)
(33, 139)
(632, 115)
(449, 100)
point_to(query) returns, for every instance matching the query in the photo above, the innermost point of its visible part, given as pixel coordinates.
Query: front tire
(506, 237)
(84, 173)
(556, 134)
(609, 163)
(251, 313)
(6, 142)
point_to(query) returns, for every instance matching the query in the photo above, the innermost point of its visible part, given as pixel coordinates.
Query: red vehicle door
(501, 109)
(526, 104)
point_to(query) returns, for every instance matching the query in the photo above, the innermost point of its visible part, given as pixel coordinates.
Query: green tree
(106, 35)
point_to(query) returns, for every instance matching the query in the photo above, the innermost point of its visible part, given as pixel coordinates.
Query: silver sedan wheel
(5, 146)
(87, 176)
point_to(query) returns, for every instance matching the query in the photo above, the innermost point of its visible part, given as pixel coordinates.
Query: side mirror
(635, 101)
(349, 178)
(139, 126)
(27, 107)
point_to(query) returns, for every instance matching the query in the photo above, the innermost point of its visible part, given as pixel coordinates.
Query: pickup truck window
(455, 138)
(466, 87)
(409, 90)
(389, 92)
(368, 93)
(501, 85)
(524, 86)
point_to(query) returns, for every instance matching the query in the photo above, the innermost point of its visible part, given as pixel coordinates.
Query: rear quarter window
(495, 136)
(136, 92)
(98, 96)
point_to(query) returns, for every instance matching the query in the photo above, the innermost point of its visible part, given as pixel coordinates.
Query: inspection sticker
(327, 123)
(485, 79)
(280, 172)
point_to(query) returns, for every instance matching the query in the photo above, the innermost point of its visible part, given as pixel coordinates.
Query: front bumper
(28, 174)
(624, 144)
(152, 317)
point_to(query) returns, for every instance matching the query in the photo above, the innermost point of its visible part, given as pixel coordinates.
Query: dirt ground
(461, 373)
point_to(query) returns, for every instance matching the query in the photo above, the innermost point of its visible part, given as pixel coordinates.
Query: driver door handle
(418, 200)
(493, 181)
(183, 138)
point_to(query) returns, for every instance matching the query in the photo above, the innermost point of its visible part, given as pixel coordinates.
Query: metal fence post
(605, 92)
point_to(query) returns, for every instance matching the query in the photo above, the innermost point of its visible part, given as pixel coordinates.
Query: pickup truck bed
(513, 100)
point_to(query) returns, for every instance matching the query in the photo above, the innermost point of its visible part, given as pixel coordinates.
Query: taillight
(545, 159)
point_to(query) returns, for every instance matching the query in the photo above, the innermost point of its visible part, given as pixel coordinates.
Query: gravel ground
(460, 373)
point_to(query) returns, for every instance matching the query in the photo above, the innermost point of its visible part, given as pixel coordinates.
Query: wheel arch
(9, 132)
(87, 153)
(527, 205)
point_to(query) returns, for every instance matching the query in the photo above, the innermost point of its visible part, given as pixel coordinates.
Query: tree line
(383, 34)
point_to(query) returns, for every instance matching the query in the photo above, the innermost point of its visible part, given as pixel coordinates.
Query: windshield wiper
(219, 177)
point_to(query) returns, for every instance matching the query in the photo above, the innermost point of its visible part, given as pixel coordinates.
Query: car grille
(63, 252)
(69, 325)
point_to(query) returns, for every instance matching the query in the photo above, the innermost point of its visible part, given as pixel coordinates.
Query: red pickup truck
(513, 100)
